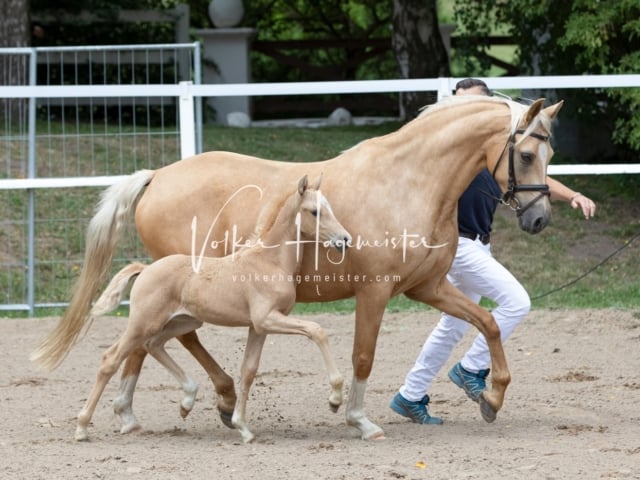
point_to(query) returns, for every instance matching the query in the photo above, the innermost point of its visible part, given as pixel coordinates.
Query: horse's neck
(442, 145)
(282, 236)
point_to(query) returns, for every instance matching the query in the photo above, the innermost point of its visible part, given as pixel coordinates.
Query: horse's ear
(302, 184)
(553, 110)
(533, 111)
(316, 186)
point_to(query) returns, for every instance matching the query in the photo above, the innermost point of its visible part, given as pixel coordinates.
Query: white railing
(186, 92)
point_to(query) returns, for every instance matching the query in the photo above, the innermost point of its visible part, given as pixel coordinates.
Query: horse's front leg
(452, 301)
(250, 363)
(370, 305)
(222, 382)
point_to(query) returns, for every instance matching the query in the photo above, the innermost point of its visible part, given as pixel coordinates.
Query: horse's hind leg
(223, 383)
(111, 361)
(250, 362)
(277, 322)
(123, 403)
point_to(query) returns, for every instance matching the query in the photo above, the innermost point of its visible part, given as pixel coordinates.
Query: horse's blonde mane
(517, 112)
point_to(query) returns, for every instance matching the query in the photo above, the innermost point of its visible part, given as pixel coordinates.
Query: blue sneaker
(416, 411)
(473, 384)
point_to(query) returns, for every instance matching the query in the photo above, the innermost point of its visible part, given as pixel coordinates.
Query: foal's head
(316, 219)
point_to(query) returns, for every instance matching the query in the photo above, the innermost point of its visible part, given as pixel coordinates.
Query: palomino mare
(176, 294)
(404, 218)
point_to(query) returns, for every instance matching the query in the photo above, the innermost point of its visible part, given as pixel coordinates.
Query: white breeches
(477, 274)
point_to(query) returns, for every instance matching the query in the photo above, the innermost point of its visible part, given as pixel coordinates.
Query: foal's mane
(267, 217)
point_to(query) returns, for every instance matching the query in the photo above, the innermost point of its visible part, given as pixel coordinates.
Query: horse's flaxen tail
(115, 291)
(115, 207)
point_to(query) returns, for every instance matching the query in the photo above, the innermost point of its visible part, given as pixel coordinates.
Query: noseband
(509, 197)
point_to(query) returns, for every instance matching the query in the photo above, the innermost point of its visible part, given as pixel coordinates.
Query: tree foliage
(418, 48)
(63, 26)
(338, 20)
(572, 37)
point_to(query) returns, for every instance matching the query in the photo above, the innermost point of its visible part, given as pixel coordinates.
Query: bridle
(509, 197)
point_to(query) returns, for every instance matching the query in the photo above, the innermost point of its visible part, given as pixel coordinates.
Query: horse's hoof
(81, 435)
(226, 418)
(486, 410)
(375, 437)
(184, 412)
(130, 427)
(334, 407)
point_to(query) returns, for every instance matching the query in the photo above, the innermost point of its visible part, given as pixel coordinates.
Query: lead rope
(599, 264)
(577, 279)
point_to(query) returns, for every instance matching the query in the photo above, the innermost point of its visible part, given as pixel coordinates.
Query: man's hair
(473, 82)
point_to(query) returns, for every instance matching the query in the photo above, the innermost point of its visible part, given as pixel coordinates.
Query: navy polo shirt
(478, 204)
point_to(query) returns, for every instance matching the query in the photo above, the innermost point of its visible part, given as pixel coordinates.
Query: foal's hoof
(334, 407)
(226, 418)
(486, 410)
(130, 427)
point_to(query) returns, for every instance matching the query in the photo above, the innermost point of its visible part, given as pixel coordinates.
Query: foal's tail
(112, 295)
(115, 207)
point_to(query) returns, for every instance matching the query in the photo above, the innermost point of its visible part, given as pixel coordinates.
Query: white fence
(188, 95)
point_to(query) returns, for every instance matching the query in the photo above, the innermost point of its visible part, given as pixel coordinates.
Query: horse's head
(522, 166)
(316, 218)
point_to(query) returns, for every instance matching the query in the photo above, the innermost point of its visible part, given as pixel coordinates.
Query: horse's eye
(314, 213)
(527, 157)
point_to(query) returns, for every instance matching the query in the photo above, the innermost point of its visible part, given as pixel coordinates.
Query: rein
(509, 197)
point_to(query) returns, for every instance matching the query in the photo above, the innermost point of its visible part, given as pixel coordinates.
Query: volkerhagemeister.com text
(315, 278)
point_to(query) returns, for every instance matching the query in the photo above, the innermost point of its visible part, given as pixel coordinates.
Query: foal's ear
(316, 186)
(302, 184)
(533, 111)
(553, 110)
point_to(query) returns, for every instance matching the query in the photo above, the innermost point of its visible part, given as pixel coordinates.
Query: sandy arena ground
(571, 412)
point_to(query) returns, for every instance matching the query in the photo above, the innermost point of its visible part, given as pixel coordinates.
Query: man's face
(476, 90)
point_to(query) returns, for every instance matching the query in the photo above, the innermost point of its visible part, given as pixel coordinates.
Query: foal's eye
(314, 213)
(527, 157)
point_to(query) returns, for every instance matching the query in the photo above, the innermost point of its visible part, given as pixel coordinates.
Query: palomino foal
(176, 294)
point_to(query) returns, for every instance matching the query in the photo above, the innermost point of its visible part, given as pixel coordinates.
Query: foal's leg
(250, 362)
(111, 361)
(222, 382)
(155, 346)
(277, 322)
(452, 301)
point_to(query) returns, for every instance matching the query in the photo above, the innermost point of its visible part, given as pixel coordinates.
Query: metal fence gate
(42, 231)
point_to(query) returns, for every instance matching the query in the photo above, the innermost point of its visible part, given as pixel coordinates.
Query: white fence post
(444, 88)
(187, 121)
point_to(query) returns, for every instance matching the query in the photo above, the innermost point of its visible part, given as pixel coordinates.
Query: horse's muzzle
(533, 223)
(341, 243)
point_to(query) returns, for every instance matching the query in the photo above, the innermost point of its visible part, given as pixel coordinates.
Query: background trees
(572, 37)
(398, 38)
